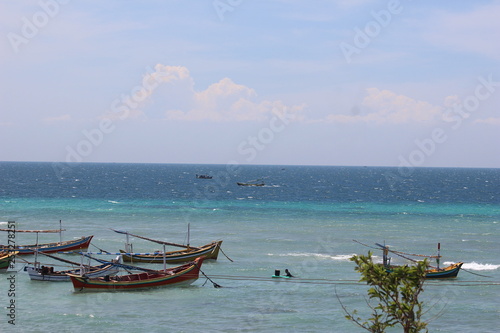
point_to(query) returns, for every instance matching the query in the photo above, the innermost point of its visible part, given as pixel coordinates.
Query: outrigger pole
(154, 240)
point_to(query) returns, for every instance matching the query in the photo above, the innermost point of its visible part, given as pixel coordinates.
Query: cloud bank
(385, 106)
(177, 99)
(168, 93)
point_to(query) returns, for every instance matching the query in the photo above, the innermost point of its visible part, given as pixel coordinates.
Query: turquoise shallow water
(304, 219)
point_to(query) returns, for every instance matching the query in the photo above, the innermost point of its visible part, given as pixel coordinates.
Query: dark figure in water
(287, 272)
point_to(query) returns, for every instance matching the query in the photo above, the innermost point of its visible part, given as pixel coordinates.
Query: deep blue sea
(304, 219)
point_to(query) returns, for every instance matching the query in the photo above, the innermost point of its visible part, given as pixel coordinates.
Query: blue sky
(382, 83)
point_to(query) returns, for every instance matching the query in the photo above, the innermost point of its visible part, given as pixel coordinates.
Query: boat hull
(72, 245)
(6, 258)
(443, 273)
(209, 251)
(176, 276)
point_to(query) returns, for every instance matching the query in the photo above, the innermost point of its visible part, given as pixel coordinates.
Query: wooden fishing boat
(250, 184)
(47, 273)
(188, 253)
(54, 247)
(204, 177)
(6, 258)
(175, 276)
(444, 273)
(437, 273)
(210, 251)
(71, 245)
(256, 182)
(450, 271)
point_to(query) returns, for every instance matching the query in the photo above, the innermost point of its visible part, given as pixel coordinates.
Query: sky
(285, 82)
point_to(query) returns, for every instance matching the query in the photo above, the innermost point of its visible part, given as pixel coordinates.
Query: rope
(371, 247)
(220, 248)
(397, 252)
(416, 255)
(347, 282)
(208, 279)
(100, 249)
(438, 282)
(476, 273)
(401, 254)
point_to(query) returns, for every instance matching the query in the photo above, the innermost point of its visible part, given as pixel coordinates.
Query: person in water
(287, 273)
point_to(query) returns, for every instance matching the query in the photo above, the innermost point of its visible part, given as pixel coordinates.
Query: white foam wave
(344, 257)
(113, 202)
(474, 266)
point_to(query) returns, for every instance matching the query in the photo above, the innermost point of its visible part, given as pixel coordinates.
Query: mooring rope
(476, 273)
(231, 260)
(100, 249)
(208, 279)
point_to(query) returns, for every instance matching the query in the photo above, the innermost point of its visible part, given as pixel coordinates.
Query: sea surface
(308, 219)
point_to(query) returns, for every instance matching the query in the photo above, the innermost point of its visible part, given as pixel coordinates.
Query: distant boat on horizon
(250, 184)
(257, 182)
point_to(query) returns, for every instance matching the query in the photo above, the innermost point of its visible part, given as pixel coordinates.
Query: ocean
(307, 219)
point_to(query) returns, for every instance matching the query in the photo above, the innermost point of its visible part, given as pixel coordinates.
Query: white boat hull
(35, 273)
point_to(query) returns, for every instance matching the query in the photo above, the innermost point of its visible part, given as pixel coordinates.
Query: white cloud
(450, 101)
(488, 121)
(221, 101)
(384, 106)
(168, 93)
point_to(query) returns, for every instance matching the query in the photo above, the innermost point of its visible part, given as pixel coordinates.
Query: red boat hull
(180, 275)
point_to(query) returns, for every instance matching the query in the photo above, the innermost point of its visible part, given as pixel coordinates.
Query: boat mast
(60, 231)
(36, 251)
(385, 256)
(164, 259)
(81, 265)
(128, 246)
(385, 252)
(439, 255)
(189, 225)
